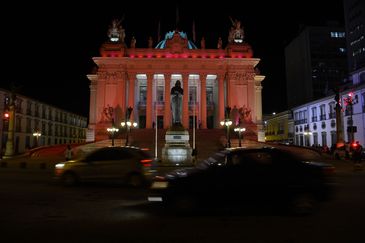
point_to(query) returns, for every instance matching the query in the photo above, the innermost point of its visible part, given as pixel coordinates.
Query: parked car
(254, 176)
(129, 164)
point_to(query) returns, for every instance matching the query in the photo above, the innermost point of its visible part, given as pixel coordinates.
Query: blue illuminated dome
(169, 35)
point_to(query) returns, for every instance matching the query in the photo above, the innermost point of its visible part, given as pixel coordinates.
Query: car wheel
(135, 180)
(303, 204)
(69, 179)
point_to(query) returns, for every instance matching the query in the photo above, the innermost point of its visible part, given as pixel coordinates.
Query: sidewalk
(45, 162)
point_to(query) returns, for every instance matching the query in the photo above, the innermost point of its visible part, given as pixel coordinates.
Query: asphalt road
(35, 209)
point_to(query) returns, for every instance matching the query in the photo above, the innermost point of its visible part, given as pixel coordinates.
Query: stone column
(220, 97)
(149, 105)
(203, 99)
(258, 98)
(92, 107)
(228, 86)
(185, 114)
(121, 96)
(167, 108)
(131, 84)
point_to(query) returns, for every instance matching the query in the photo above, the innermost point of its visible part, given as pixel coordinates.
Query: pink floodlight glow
(132, 56)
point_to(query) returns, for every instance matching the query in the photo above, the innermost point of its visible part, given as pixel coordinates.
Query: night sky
(47, 50)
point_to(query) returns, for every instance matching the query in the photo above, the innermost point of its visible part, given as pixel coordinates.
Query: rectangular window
(160, 93)
(28, 126)
(333, 137)
(324, 139)
(18, 124)
(314, 114)
(210, 99)
(192, 94)
(323, 112)
(315, 138)
(143, 94)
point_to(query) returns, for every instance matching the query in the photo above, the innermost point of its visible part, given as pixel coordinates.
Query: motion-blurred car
(128, 164)
(255, 176)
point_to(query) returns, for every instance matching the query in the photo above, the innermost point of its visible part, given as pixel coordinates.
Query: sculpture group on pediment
(133, 42)
(236, 33)
(220, 43)
(116, 33)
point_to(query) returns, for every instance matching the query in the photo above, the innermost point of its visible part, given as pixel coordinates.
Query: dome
(169, 35)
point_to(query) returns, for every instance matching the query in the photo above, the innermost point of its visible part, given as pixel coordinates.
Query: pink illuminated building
(142, 78)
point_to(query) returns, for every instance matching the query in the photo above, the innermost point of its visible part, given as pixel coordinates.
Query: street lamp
(307, 138)
(112, 131)
(128, 126)
(239, 130)
(350, 101)
(37, 134)
(227, 123)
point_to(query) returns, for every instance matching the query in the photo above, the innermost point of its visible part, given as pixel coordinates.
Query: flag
(159, 31)
(193, 30)
(177, 17)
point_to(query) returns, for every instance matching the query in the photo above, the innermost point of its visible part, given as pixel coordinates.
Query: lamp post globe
(227, 123)
(128, 125)
(37, 134)
(112, 131)
(239, 130)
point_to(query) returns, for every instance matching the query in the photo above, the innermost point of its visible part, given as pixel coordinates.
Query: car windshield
(216, 159)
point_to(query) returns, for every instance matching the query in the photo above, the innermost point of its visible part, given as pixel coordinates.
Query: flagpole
(194, 117)
(156, 119)
(193, 30)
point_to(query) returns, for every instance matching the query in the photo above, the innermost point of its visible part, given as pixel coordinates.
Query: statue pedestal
(177, 150)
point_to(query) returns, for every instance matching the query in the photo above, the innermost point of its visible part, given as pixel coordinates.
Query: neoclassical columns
(220, 78)
(228, 87)
(167, 110)
(131, 87)
(258, 98)
(93, 100)
(121, 95)
(203, 99)
(149, 106)
(185, 115)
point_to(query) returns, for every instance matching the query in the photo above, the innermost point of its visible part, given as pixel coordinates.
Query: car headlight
(60, 165)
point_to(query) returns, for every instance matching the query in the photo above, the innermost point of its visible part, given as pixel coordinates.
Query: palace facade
(142, 78)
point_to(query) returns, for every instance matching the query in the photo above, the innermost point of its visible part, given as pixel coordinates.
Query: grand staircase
(208, 141)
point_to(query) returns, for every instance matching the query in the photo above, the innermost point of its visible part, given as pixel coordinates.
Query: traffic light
(338, 101)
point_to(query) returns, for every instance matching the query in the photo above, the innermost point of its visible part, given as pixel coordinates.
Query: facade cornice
(176, 64)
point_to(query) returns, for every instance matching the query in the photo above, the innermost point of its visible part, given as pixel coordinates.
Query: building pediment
(177, 44)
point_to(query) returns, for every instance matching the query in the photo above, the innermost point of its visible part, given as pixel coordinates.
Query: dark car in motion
(247, 176)
(128, 164)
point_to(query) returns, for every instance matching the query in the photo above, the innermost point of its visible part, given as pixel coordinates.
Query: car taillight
(146, 162)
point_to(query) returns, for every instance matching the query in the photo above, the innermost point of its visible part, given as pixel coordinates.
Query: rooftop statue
(176, 102)
(236, 34)
(116, 33)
